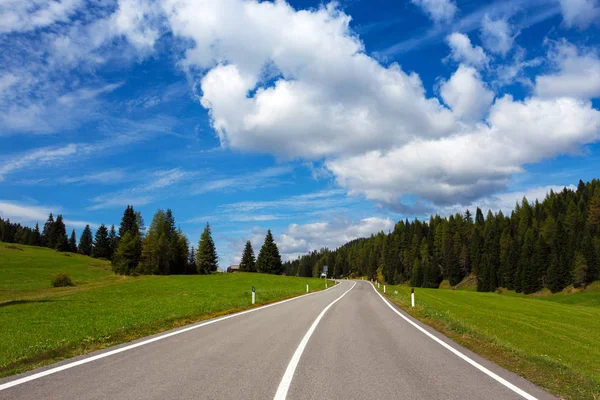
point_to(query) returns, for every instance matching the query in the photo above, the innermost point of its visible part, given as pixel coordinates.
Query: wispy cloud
(530, 12)
(244, 182)
(145, 192)
(132, 132)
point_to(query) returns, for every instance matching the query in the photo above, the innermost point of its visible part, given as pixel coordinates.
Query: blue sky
(322, 121)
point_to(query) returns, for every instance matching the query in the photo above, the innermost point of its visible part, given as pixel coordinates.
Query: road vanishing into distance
(347, 342)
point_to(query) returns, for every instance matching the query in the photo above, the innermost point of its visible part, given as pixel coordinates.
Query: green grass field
(41, 324)
(554, 341)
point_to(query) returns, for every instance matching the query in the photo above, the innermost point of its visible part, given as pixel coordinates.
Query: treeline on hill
(162, 250)
(551, 245)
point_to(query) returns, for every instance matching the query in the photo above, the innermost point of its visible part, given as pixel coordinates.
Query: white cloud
(32, 214)
(580, 13)
(327, 96)
(438, 10)
(477, 162)
(578, 73)
(27, 15)
(467, 94)
(506, 74)
(462, 51)
(301, 239)
(497, 35)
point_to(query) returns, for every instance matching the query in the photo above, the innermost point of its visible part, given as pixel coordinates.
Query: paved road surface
(358, 349)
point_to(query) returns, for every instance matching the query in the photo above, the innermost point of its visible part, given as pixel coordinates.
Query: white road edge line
(480, 367)
(286, 380)
(145, 342)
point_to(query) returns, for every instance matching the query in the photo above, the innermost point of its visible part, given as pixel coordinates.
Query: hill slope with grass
(42, 324)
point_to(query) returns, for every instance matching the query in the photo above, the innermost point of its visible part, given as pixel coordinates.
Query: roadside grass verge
(554, 344)
(42, 325)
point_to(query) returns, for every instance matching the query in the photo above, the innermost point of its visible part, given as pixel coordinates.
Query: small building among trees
(233, 268)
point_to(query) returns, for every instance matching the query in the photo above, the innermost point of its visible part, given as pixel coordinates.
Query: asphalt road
(307, 348)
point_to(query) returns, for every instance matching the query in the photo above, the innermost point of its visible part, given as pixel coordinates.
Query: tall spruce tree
(113, 241)
(48, 232)
(269, 259)
(59, 235)
(248, 262)
(85, 242)
(73, 242)
(101, 247)
(206, 255)
(127, 255)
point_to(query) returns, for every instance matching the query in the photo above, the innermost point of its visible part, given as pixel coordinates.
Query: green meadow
(552, 340)
(41, 324)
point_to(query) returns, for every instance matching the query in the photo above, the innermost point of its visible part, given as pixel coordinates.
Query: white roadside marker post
(307, 288)
(383, 289)
(412, 297)
(253, 295)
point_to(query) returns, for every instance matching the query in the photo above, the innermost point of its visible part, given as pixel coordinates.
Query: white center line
(474, 363)
(286, 381)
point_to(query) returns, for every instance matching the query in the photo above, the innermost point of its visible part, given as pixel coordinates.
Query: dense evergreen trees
(206, 256)
(248, 262)
(551, 245)
(269, 259)
(165, 249)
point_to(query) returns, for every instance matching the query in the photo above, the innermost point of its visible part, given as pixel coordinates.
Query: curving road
(343, 343)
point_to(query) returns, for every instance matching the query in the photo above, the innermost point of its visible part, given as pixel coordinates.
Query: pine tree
(101, 246)
(73, 242)
(248, 262)
(59, 235)
(206, 256)
(48, 232)
(37, 236)
(416, 275)
(127, 255)
(580, 269)
(85, 242)
(113, 241)
(269, 259)
(191, 267)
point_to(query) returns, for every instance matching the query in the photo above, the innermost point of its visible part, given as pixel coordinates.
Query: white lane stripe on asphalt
(284, 385)
(154, 339)
(474, 363)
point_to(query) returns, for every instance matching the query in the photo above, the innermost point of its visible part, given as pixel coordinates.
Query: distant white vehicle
(323, 275)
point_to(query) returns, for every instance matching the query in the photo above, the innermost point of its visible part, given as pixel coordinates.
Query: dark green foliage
(73, 242)
(101, 248)
(61, 280)
(552, 244)
(85, 242)
(207, 260)
(113, 241)
(248, 262)
(165, 249)
(127, 254)
(269, 259)
(59, 235)
(47, 238)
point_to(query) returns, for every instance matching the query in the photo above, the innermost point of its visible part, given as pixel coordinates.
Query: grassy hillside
(554, 341)
(41, 324)
(27, 270)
